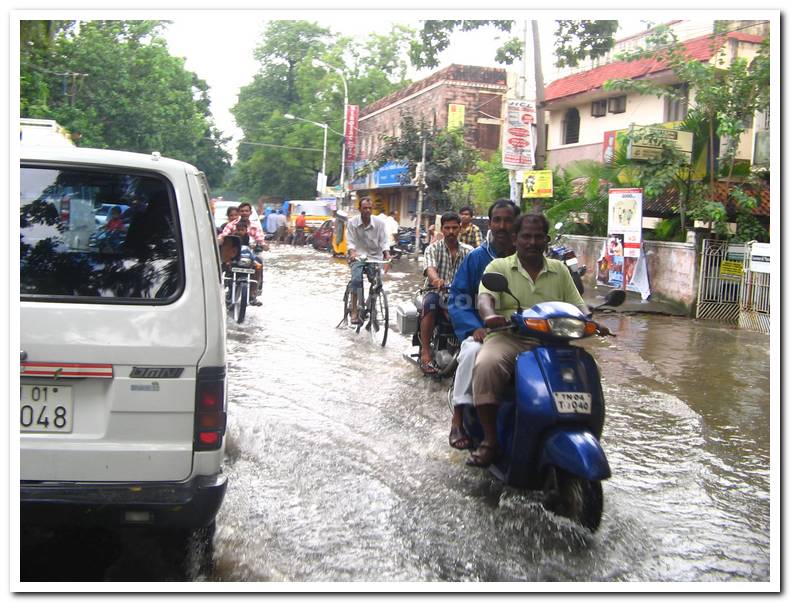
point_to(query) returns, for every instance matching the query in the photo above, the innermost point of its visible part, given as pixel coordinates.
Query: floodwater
(339, 468)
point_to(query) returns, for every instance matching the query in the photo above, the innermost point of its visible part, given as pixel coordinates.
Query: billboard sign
(352, 123)
(517, 140)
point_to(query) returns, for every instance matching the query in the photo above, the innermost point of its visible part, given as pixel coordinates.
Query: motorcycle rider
(532, 278)
(443, 259)
(254, 230)
(467, 324)
(365, 235)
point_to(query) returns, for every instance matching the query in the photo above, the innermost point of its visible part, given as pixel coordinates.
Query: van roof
(102, 157)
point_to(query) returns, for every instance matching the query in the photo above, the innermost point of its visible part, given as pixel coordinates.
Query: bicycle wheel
(347, 306)
(379, 318)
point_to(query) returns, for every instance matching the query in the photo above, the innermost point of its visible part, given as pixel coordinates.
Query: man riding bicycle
(366, 235)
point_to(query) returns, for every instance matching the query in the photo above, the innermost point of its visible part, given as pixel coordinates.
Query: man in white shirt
(366, 235)
(392, 228)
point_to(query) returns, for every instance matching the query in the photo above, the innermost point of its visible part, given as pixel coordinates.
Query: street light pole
(324, 153)
(339, 71)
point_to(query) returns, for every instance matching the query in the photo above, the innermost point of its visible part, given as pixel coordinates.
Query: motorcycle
(238, 278)
(406, 241)
(567, 255)
(550, 424)
(444, 345)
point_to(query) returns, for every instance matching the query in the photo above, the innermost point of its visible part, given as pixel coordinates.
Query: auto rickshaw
(339, 234)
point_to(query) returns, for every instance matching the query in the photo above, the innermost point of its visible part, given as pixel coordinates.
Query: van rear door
(112, 327)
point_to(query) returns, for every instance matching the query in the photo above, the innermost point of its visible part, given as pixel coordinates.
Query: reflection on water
(339, 468)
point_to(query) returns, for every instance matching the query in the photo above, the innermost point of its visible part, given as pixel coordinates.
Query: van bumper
(189, 504)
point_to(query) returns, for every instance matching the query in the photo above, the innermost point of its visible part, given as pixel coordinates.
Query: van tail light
(210, 416)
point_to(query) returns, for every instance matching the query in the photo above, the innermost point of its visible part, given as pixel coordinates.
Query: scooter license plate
(572, 262)
(573, 402)
(243, 270)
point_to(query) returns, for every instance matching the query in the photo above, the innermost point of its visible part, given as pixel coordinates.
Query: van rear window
(98, 234)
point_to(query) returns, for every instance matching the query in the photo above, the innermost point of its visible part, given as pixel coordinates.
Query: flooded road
(339, 468)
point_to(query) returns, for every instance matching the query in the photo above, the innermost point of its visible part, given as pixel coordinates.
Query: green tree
(115, 84)
(574, 40)
(281, 157)
(488, 182)
(448, 157)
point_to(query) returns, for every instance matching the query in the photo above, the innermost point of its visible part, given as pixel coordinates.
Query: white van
(122, 409)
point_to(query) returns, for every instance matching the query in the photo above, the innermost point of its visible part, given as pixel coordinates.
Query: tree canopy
(448, 157)
(574, 40)
(115, 84)
(281, 157)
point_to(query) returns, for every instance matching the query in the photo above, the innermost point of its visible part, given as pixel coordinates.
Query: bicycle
(373, 310)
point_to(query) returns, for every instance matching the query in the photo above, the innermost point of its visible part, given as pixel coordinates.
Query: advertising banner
(621, 259)
(352, 122)
(537, 184)
(760, 257)
(455, 116)
(518, 134)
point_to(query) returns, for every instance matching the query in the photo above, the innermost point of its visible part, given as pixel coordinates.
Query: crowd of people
(455, 262)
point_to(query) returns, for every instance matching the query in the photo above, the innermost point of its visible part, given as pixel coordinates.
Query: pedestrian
(469, 233)
(282, 230)
(391, 221)
(299, 229)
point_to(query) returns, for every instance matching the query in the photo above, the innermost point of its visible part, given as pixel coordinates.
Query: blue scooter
(549, 426)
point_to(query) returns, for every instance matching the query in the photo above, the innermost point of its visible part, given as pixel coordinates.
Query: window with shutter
(571, 127)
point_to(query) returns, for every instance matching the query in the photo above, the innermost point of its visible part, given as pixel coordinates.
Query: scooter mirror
(614, 298)
(494, 281)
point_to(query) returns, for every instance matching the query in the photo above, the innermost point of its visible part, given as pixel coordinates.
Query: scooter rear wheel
(575, 498)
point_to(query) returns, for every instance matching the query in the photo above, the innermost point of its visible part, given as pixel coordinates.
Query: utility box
(406, 318)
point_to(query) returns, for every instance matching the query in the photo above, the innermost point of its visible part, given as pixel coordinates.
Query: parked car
(322, 236)
(122, 373)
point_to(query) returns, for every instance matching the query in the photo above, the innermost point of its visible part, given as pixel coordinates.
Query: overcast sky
(218, 45)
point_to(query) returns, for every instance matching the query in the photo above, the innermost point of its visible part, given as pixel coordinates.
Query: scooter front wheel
(574, 497)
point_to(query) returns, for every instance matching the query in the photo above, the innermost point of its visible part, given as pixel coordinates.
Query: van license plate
(243, 270)
(45, 408)
(573, 402)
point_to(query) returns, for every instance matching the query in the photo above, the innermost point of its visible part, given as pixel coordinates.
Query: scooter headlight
(245, 262)
(571, 328)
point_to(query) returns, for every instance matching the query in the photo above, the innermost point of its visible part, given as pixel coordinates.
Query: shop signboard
(455, 116)
(537, 184)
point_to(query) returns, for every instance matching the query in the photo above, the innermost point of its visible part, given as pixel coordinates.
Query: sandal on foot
(428, 368)
(485, 455)
(459, 439)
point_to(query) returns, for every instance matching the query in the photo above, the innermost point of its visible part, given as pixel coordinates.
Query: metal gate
(754, 302)
(720, 282)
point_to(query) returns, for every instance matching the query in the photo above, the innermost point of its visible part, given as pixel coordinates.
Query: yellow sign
(729, 268)
(537, 183)
(455, 116)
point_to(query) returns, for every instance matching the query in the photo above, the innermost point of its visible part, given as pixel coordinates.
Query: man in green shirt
(532, 278)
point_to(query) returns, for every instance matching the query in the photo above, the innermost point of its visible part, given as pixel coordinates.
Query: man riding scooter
(532, 278)
(254, 231)
(467, 324)
(443, 259)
